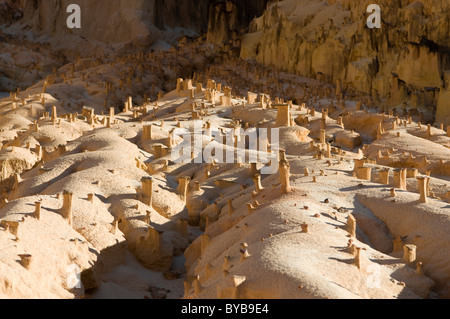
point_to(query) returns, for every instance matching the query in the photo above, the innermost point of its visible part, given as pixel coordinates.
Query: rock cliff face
(103, 20)
(121, 21)
(229, 20)
(10, 11)
(182, 14)
(406, 61)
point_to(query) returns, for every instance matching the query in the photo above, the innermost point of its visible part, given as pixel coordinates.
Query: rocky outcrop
(406, 62)
(105, 25)
(182, 14)
(403, 62)
(443, 106)
(229, 20)
(121, 21)
(104, 20)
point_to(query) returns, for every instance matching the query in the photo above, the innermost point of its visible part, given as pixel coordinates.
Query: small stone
(158, 293)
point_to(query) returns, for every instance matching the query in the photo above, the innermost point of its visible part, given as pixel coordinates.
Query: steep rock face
(10, 11)
(229, 20)
(103, 20)
(443, 109)
(182, 14)
(123, 20)
(403, 62)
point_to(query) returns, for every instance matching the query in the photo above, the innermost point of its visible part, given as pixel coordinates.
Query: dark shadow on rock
(345, 261)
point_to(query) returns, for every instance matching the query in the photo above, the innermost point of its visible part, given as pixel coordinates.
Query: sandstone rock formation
(130, 170)
(407, 67)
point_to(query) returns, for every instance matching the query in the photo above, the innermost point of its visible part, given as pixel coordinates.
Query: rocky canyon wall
(10, 11)
(39, 27)
(182, 14)
(122, 20)
(228, 21)
(102, 20)
(406, 62)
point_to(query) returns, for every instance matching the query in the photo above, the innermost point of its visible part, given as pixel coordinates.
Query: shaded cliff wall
(186, 14)
(229, 20)
(101, 20)
(122, 20)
